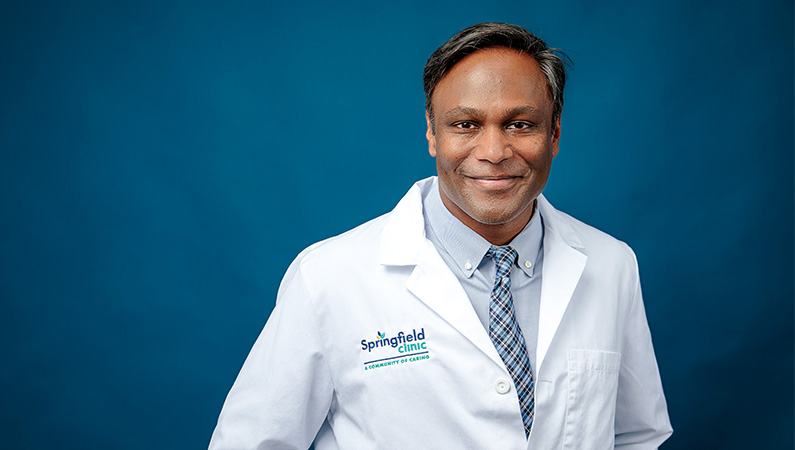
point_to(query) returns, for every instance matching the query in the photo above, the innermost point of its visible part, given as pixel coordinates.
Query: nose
(493, 146)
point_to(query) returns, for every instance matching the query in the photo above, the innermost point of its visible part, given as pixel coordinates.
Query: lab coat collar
(403, 243)
(404, 233)
(559, 223)
(405, 230)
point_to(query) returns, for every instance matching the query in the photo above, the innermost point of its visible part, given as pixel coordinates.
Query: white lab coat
(309, 375)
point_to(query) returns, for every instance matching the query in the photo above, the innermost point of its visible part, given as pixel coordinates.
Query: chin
(493, 217)
(498, 212)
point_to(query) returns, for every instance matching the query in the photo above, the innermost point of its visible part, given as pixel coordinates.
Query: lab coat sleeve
(284, 390)
(641, 414)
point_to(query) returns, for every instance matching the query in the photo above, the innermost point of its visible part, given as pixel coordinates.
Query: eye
(519, 125)
(465, 125)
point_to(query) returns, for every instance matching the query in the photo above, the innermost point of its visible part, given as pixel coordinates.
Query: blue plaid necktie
(506, 334)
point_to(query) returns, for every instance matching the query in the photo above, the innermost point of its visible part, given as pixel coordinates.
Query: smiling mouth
(495, 183)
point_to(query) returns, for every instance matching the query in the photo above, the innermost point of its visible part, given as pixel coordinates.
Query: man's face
(494, 137)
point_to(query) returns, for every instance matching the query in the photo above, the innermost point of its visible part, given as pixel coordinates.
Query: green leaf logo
(380, 335)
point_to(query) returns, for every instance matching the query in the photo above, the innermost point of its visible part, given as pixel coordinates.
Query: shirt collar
(467, 248)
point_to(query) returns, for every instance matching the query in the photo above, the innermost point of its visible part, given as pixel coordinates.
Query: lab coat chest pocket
(591, 400)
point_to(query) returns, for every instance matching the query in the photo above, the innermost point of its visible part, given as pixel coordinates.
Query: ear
(430, 136)
(556, 138)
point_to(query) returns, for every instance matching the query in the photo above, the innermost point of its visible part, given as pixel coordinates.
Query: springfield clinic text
(400, 338)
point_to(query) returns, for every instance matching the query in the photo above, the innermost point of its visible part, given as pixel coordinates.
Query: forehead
(493, 75)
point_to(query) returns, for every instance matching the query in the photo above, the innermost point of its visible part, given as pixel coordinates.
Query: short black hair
(496, 34)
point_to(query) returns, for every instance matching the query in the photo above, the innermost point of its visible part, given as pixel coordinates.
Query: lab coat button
(502, 386)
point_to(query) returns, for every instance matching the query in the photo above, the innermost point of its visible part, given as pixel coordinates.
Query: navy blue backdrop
(161, 163)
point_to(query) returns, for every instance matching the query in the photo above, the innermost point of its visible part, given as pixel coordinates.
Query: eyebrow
(463, 110)
(520, 110)
(469, 111)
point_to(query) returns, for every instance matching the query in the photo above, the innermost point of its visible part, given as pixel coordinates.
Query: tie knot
(503, 257)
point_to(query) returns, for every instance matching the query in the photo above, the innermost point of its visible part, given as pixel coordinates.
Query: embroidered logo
(404, 347)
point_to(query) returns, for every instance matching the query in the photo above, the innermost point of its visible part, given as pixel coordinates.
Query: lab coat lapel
(437, 287)
(403, 243)
(563, 266)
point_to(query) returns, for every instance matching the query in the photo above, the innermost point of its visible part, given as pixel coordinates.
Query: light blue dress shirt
(464, 251)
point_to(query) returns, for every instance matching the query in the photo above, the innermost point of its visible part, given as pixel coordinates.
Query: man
(472, 316)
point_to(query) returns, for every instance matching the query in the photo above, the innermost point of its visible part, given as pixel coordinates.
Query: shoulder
(353, 246)
(333, 261)
(394, 233)
(611, 267)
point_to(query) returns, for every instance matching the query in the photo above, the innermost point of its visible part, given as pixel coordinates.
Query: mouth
(495, 183)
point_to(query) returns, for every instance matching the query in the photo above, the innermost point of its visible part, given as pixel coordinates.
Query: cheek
(539, 154)
(446, 160)
(445, 170)
(443, 163)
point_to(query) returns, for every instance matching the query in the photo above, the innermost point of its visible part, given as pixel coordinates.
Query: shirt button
(468, 265)
(528, 264)
(502, 386)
